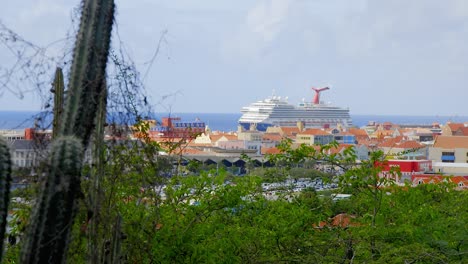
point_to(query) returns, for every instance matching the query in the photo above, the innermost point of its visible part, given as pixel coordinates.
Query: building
(451, 128)
(462, 131)
(450, 154)
(314, 136)
(407, 168)
(286, 132)
(24, 153)
(461, 182)
(174, 127)
(359, 134)
(343, 137)
(403, 148)
(249, 135)
(12, 134)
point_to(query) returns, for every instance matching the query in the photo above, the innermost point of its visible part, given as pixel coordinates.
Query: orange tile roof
(191, 151)
(340, 148)
(272, 136)
(451, 142)
(273, 150)
(290, 131)
(458, 179)
(410, 144)
(339, 220)
(455, 126)
(390, 142)
(358, 132)
(368, 142)
(216, 137)
(230, 136)
(438, 179)
(462, 131)
(314, 131)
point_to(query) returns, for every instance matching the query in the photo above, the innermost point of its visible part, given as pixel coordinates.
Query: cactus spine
(52, 220)
(5, 181)
(58, 89)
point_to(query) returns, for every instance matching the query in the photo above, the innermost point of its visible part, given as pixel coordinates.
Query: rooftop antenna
(316, 99)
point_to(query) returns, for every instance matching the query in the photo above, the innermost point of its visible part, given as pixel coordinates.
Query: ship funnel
(316, 99)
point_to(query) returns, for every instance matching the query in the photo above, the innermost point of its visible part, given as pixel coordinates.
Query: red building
(33, 134)
(174, 127)
(409, 166)
(406, 167)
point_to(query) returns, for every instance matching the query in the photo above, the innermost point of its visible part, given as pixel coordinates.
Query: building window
(448, 157)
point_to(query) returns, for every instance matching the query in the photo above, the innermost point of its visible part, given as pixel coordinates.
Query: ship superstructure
(276, 111)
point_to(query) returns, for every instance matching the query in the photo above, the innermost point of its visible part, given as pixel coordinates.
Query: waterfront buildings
(447, 153)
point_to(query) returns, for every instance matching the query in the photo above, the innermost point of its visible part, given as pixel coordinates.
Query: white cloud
(261, 27)
(268, 18)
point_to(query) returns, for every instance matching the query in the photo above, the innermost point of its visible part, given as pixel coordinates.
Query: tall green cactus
(58, 89)
(88, 68)
(95, 192)
(5, 180)
(51, 222)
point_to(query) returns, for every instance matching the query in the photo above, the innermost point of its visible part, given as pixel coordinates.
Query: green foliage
(214, 218)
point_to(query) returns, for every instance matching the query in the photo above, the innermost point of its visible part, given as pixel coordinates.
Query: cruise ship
(276, 111)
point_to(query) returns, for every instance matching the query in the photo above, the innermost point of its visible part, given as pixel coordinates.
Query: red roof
(358, 132)
(290, 131)
(460, 181)
(273, 150)
(390, 142)
(272, 136)
(462, 131)
(410, 144)
(455, 126)
(340, 148)
(339, 220)
(451, 142)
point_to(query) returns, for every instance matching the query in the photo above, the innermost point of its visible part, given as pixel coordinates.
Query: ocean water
(222, 121)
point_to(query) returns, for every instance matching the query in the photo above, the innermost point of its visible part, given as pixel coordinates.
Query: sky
(379, 57)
